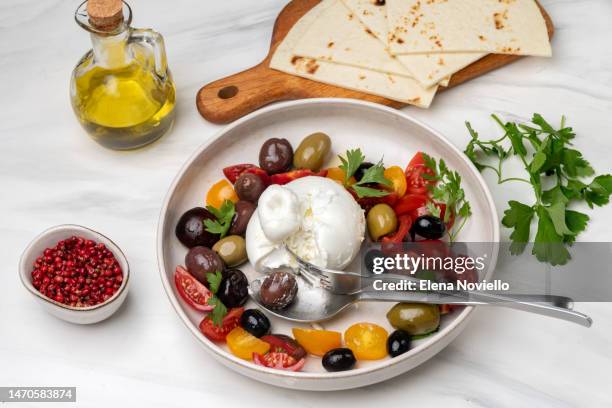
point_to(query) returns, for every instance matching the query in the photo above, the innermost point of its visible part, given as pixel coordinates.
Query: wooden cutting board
(232, 97)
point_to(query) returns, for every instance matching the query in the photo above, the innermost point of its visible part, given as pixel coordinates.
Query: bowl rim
(241, 364)
(113, 247)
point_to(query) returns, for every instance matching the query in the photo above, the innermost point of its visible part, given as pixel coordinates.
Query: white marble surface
(52, 173)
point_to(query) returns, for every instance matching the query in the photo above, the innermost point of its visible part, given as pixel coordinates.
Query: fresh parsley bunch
(373, 175)
(557, 174)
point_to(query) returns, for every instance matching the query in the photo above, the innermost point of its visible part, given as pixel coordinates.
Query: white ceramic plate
(379, 131)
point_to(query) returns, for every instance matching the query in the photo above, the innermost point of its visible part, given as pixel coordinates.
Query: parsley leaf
(224, 217)
(373, 175)
(351, 163)
(574, 165)
(368, 191)
(214, 280)
(557, 216)
(519, 217)
(576, 222)
(219, 310)
(548, 245)
(598, 192)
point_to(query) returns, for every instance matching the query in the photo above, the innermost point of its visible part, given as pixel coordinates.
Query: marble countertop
(52, 173)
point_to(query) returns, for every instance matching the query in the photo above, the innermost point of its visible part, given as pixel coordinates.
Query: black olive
(398, 343)
(190, 228)
(362, 169)
(234, 289)
(340, 359)
(255, 322)
(429, 227)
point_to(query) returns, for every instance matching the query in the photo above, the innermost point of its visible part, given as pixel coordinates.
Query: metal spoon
(315, 304)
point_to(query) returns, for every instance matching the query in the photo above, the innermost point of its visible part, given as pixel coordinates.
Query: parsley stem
(502, 181)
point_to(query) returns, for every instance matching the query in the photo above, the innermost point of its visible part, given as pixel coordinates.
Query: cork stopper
(105, 15)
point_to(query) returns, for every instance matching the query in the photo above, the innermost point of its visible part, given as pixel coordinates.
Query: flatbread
(395, 87)
(338, 36)
(441, 26)
(428, 69)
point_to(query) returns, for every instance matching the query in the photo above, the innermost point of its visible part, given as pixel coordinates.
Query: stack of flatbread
(405, 49)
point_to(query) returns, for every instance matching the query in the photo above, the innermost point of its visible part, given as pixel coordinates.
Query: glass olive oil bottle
(121, 90)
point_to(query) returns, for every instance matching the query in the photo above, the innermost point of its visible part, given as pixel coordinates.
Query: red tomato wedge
(417, 184)
(193, 292)
(218, 333)
(280, 361)
(233, 172)
(368, 202)
(410, 202)
(417, 160)
(284, 178)
(405, 223)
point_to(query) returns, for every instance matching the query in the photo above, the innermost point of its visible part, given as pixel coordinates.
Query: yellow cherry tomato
(219, 192)
(367, 341)
(396, 175)
(318, 342)
(337, 174)
(243, 344)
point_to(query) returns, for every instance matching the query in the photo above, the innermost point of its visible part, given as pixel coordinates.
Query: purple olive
(276, 156)
(244, 211)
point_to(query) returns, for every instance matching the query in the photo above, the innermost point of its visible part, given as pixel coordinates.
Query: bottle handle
(154, 40)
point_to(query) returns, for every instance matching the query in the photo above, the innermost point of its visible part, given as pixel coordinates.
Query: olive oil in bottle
(121, 91)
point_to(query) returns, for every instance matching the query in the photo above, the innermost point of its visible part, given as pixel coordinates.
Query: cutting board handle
(231, 98)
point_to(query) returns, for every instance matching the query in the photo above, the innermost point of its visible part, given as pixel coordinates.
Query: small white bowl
(78, 315)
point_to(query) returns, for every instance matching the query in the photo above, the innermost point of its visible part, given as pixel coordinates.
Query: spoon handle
(545, 308)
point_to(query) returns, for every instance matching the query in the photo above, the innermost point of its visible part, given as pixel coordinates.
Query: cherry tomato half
(280, 361)
(219, 192)
(368, 341)
(396, 175)
(191, 290)
(244, 345)
(337, 174)
(219, 333)
(281, 343)
(318, 342)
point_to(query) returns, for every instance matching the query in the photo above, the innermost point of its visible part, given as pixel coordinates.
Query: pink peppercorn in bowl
(80, 253)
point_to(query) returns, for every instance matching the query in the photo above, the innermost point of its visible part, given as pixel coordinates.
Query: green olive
(311, 153)
(381, 221)
(415, 318)
(232, 249)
